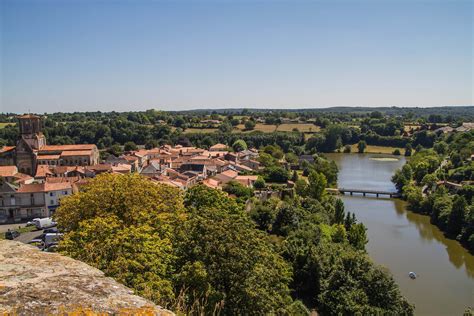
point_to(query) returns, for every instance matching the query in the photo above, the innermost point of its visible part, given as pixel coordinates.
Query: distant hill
(417, 111)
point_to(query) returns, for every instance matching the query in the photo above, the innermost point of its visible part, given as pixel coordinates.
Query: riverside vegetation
(438, 182)
(200, 251)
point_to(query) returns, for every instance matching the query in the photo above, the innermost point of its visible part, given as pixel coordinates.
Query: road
(27, 237)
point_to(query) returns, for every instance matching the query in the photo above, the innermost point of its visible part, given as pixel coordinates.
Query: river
(404, 241)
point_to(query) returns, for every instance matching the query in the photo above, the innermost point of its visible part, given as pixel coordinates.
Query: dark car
(52, 230)
(11, 234)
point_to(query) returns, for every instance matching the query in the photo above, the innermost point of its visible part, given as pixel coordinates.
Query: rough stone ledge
(33, 282)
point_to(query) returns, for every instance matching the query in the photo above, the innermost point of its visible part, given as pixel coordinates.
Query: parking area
(25, 236)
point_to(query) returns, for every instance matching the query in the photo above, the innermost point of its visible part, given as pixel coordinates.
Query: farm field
(200, 130)
(302, 127)
(258, 127)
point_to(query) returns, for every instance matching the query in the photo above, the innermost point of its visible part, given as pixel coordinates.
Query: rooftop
(68, 147)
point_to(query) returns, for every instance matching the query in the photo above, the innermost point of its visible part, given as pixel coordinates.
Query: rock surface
(40, 283)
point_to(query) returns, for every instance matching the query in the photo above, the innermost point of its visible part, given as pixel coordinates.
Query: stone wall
(40, 283)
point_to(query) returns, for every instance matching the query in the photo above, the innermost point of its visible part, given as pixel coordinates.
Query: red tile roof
(44, 187)
(76, 153)
(218, 146)
(63, 179)
(43, 171)
(68, 147)
(8, 171)
(4, 149)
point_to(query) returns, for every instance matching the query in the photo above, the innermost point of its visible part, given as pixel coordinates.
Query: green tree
(408, 150)
(225, 128)
(361, 146)
(458, 213)
(259, 183)
(291, 158)
(350, 285)
(339, 212)
(301, 187)
(241, 268)
(339, 233)
(249, 125)
(317, 185)
(121, 225)
(429, 180)
(276, 174)
(239, 145)
(357, 236)
(441, 211)
(115, 150)
(264, 216)
(294, 177)
(130, 146)
(441, 148)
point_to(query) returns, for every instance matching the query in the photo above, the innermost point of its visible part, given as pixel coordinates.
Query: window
(51, 202)
(51, 193)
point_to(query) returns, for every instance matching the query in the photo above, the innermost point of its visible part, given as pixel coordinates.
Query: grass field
(378, 149)
(258, 127)
(3, 125)
(302, 127)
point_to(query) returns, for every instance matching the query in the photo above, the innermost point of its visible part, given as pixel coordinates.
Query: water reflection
(457, 255)
(404, 241)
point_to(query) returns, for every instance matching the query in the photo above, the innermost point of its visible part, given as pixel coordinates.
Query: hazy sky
(132, 55)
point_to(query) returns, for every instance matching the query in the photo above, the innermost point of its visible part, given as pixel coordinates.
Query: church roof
(28, 116)
(76, 153)
(68, 147)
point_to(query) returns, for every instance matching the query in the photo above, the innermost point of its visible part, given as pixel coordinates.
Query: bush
(397, 152)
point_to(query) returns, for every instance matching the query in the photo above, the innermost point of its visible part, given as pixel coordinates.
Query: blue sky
(132, 55)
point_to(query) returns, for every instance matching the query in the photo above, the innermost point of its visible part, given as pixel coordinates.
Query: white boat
(412, 275)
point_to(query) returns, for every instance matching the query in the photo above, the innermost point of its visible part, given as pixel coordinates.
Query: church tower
(30, 131)
(31, 140)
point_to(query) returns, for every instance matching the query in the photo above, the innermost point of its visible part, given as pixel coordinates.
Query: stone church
(31, 149)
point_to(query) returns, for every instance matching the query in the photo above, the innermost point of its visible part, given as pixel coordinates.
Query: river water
(404, 241)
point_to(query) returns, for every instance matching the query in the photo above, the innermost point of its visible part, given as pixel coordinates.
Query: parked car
(52, 230)
(11, 234)
(32, 222)
(51, 239)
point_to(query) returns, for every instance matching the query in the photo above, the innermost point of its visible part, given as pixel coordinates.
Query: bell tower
(31, 140)
(30, 131)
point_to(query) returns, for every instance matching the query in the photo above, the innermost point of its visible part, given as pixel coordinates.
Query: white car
(32, 222)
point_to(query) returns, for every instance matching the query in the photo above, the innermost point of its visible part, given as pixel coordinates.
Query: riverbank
(371, 149)
(404, 241)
